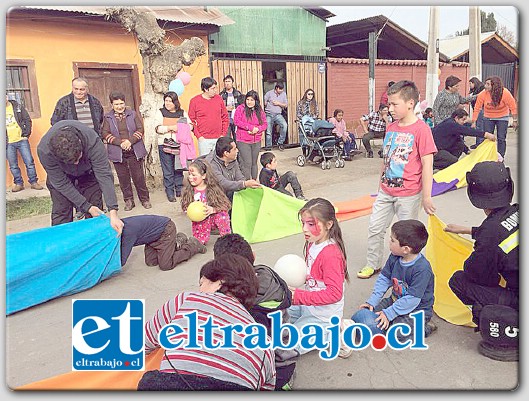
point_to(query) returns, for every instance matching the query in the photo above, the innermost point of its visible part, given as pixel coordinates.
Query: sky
(415, 19)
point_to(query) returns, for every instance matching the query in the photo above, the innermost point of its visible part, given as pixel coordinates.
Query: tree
(507, 35)
(488, 24)
(161, 63)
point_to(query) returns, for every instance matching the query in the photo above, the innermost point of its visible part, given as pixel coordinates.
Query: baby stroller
(317, 140)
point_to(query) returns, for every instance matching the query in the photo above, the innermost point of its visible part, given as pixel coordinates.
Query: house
(47, 46)
(498, 57)
(400, 55)
(271, 44)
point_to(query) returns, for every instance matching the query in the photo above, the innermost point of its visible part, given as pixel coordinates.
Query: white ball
(292, 269)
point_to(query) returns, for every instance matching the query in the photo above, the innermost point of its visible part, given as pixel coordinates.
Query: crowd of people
(77, 150)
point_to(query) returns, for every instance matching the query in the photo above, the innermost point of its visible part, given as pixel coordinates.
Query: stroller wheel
(301, 160)
(328, 164)
(337, 163)
(323, 165)
(342, 163)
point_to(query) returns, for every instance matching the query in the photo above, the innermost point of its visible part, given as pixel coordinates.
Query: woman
(122, 130)
(448, 100)
(497, 102)
(167, 127)
(307, 106)
(250, 120)
(476, 86)
(228, 289)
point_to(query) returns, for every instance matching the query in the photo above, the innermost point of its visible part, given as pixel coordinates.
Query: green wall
(270, 30)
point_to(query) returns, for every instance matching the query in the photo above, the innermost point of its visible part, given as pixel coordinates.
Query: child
(341, 132)
(269, 177)
(428, 117)
(164, 246)
(411, 278)
(202, 185)
(407, 172)
(323, 293)
(273, 295)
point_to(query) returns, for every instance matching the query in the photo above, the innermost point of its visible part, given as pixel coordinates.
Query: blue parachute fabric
(61, 260)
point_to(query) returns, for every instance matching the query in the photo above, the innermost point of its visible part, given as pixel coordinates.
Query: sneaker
(347, 158)
(370, 154)
(129, 205)
(17, 188)
(36, 186)
(171, 150)
(181, 239)
(430, 328)
(366, 272)
(289, 386)
(171, 199)
(171, 143)
(345, 351)
(267, 148)
(198, 246)
(281, 147)
(380, 154)
(146, 204)
(301, 197)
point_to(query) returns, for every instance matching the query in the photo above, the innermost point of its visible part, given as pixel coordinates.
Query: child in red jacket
(322, 296)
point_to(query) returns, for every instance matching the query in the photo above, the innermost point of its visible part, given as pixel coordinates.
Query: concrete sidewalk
(38, 340)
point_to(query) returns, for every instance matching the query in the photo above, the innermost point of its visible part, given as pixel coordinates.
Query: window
(21, 85)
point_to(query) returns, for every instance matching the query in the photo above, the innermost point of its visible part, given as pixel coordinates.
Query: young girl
(323, 293)
(341, 132)
(202, 185)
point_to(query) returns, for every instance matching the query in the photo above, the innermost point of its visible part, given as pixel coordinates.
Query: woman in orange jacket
(497, 103)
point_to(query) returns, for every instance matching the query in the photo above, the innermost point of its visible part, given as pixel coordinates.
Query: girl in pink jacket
(322, 296)
(250, 120)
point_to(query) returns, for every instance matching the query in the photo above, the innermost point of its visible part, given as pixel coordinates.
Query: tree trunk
(161, 63)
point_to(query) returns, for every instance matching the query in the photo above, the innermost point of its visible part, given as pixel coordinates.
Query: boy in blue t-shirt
(411, 278)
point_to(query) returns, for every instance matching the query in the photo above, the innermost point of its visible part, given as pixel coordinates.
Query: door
(104, 78)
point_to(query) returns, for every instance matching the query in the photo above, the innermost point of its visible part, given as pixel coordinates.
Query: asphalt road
(38, 340)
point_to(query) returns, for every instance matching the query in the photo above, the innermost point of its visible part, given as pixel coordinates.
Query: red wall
(348, 83)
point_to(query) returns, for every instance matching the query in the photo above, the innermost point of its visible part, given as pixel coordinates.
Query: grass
(22, 208)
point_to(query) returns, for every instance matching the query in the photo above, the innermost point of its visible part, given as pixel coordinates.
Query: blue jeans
(173, 180)
(12, 157)
(479, 125)
(501, 132)
(272, 119)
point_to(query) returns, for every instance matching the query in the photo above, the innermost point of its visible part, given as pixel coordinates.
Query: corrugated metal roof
(187, 14)
(344, 60)
(453, 47)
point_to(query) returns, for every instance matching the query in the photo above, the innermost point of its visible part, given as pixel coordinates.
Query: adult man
(223, 161)
(384, 96)
(232, 98)
(275, 102)
(449, 141)
(79, 105)
(496, 250)
(18, 130)
(79, 173)
(374, 125)
(208, 115)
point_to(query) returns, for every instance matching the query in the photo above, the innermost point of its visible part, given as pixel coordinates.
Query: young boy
(270, 178)
(407, 172)
(273, 295)
(411, 278)
(164, 247)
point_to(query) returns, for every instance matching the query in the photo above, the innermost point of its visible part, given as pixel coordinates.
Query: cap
(490, 185)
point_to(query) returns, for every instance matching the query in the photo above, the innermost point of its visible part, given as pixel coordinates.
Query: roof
(419, 63)
(351, 39)
(494, 49)
(320, 12)
(185, 14)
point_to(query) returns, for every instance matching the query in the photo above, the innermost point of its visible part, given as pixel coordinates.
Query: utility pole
(372, 59)
(432, 65)
(474, 41)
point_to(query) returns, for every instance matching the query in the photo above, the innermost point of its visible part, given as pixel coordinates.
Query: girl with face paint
(322, 295)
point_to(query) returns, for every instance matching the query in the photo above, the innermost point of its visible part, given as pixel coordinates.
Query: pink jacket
(245, 126)
(187, 146)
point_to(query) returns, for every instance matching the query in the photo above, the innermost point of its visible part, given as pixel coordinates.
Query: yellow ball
(196, 211)
(292, 269)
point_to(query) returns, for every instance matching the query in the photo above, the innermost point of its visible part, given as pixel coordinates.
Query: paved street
(38, 340)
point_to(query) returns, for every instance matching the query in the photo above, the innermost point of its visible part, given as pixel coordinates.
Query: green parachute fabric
(264, 214)
(447, 253)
